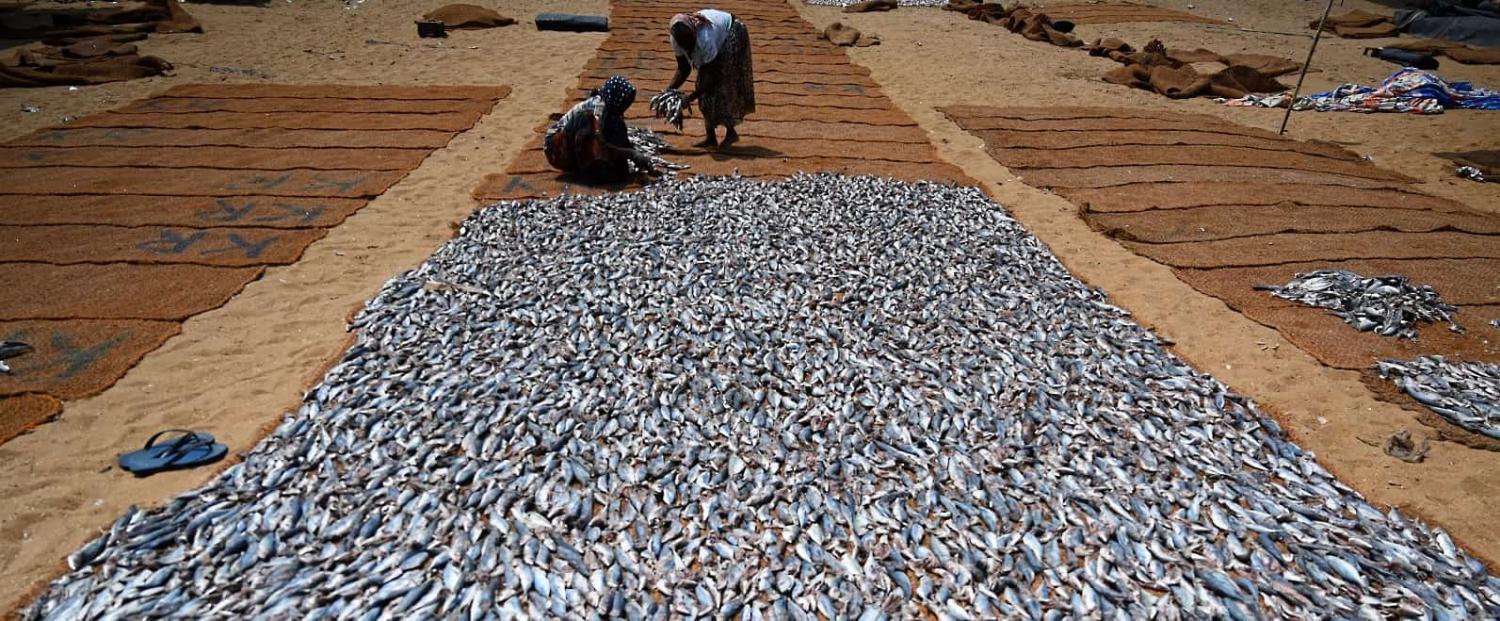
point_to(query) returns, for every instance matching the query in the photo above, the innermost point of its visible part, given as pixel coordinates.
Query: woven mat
(1230, 207)
(121, 225)
(815, 110)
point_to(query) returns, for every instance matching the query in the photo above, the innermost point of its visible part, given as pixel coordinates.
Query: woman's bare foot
(707, 143)
(730, 136)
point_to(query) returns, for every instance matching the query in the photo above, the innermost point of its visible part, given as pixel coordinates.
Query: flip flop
(193, 448)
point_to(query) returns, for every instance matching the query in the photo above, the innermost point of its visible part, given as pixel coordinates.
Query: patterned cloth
(576, 142)
(732, 75)
(1409, 90)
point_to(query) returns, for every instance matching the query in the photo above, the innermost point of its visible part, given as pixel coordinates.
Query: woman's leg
(729, 136)
(711, 140)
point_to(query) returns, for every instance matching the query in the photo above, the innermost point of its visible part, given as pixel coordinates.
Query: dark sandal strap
(152, 441)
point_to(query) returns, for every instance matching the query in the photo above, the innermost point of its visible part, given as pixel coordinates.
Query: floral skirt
(733, 97)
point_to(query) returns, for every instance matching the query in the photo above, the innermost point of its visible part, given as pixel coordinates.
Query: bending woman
(717, 44)
(592, 139)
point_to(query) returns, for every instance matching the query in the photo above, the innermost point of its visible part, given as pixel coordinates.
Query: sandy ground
(235, 370)
(931, 58)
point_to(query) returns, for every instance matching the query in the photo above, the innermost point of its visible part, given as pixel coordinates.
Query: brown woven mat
(855, 132)
(20, 413)
(1233, 189)
(1159, 226)
(118, 290)
(1461, 282)
(1338, 345)
(789, 114)
(440, 121)
(1168, 175)
(815, 110)
(1189, 155)
(65, 244)
(119, 226)
(1247, 220)
(510, 186)
(164, 105)
(215, 157)
(1094, 124)
(196, 181)
(190, 211)
(247, 138)
(1072, 140)
(832, 94)
(78, 357)
(338, 91)
(1290, 247)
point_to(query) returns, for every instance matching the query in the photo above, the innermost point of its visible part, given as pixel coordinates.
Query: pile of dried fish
(1470, 172)
(820, 398)
(898, 2)
(12, 349)
(651, 145)
(1389, 305)
(671, 105)
(1467, 394)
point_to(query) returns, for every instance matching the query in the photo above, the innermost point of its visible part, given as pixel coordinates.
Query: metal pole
(1316, 37)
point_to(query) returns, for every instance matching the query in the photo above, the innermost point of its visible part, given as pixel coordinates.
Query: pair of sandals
(189, 450)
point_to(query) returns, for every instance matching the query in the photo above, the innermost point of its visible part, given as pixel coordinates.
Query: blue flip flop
(191, 449)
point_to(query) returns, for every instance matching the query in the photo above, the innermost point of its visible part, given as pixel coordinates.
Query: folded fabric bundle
(840, 34)
(468, 17)
(83, 63)
(1185, 82)
(1409, 90)
(871, 5)
(1359, 24)
(1172, 72)
(160, 16)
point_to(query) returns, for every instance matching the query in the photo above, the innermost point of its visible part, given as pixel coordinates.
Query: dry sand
(235, 370)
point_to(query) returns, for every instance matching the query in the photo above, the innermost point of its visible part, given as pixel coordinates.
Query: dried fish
(671, 105)
(824, 397)
(1388, 305)
(651, 144)
(930, 3)
(1467, 394)
(12, 349)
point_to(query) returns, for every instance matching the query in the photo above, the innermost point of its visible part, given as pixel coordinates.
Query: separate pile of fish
(1467, 394)
(12, 349)
(651, 144)
(1389, 305)
(825, 397)
(670, 105)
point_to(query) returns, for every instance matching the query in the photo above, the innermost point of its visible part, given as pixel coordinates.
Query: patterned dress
(722, 58)
(576, 142)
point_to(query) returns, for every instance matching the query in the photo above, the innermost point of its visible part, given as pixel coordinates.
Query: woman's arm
(641, 161)
(683, 69)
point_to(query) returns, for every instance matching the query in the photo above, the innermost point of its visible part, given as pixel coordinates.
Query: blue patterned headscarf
(617, 93)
